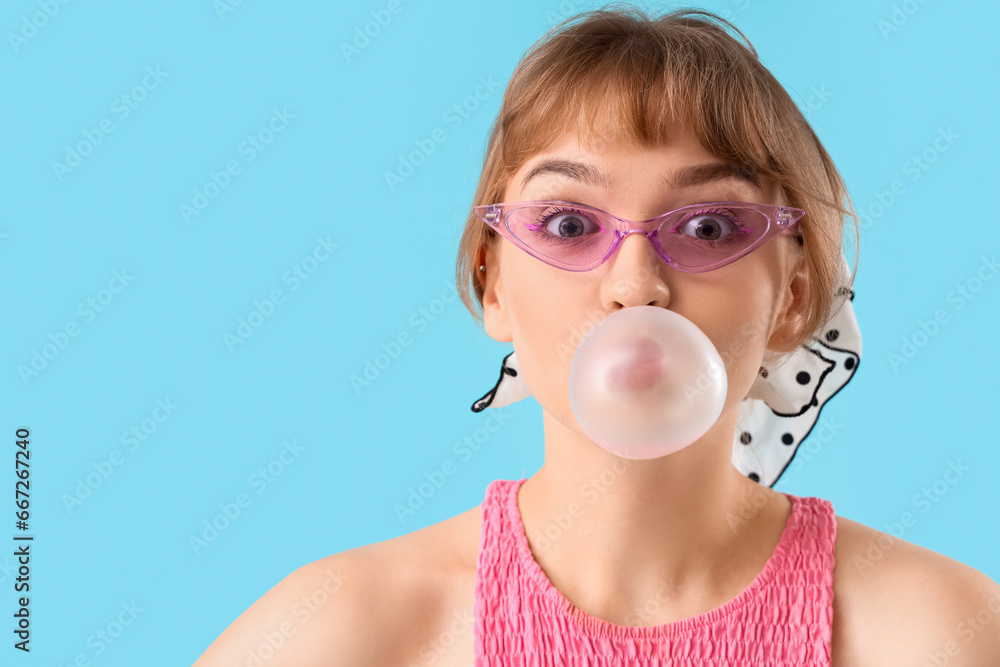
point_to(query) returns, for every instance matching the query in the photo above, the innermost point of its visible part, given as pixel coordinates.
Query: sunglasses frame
(780, 220)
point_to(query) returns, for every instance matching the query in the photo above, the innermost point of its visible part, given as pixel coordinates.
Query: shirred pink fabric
(783, 618)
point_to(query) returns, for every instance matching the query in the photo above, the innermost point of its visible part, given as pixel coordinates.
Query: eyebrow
(685, 177)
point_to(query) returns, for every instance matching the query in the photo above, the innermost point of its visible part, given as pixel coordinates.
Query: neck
(610, 532)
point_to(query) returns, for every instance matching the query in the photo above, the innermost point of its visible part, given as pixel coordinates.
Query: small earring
(482, 267)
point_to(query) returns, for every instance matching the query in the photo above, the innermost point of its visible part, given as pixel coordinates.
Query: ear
(791, 315)
(495, 315)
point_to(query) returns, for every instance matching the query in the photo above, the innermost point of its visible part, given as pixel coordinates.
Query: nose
(635, 275)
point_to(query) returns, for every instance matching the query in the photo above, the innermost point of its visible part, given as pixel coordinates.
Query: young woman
(668, 124)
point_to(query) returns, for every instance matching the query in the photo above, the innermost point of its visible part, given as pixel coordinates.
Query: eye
(567, 224)
(709, 226)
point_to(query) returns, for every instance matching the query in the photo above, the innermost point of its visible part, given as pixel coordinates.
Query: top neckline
(600, 627)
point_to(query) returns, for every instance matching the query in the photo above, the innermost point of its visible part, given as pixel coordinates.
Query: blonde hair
(643, 74)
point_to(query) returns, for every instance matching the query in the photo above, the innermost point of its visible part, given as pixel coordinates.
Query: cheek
(740, 333)
(547, 324)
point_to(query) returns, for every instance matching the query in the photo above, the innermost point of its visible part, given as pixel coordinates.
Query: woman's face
(743, 307)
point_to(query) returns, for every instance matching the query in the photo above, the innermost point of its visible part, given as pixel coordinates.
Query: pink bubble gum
(637, 383)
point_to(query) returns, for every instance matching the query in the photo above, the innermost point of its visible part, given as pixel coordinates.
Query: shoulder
(341, 609)
(896, 602)
(325, 604)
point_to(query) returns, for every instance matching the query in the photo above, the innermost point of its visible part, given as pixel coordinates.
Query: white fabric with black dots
(784, 402)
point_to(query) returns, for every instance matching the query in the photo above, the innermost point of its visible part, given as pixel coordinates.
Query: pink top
(783, 618)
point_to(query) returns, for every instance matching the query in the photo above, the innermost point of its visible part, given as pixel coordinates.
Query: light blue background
(896, 429)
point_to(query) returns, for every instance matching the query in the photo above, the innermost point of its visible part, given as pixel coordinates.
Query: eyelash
(738, 229)
(547, 215)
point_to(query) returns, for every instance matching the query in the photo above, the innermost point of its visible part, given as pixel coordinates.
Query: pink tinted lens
(703, 236)
(693, 237)
(571, 236)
